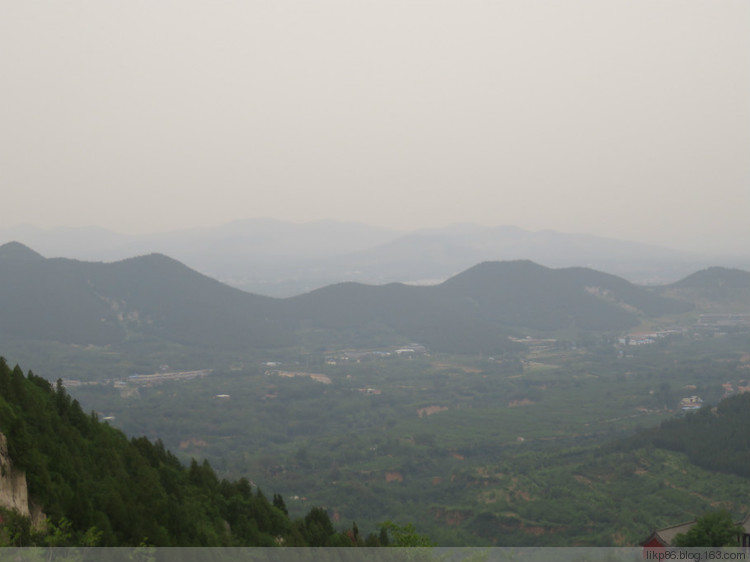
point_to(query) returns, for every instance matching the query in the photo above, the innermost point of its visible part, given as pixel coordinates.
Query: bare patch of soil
(457, 367)
(524, 402)
(192, 442)
(429, 410)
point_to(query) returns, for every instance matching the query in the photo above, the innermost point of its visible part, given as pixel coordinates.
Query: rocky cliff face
(14, 494)
(13, 491)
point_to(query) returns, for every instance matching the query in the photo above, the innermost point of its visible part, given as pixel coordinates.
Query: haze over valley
(280, 258)
(385, 273)
(483, 401)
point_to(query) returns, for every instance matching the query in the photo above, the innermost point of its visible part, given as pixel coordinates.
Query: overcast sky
(625, 118)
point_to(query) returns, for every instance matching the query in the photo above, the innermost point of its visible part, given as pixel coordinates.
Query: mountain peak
(715, 277)
(17, 251)
(503, 268)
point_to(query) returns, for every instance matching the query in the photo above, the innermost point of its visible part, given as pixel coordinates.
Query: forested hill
(96, 303)
(477, 309)
(528, 294)
(158, 299)
(97, 488)
(712, 438)
(715, 278)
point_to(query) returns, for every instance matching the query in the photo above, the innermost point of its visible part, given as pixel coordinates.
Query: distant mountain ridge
(277, 258)
(161, 299)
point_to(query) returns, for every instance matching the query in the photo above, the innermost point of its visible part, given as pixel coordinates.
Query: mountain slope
(715, 278)
(163, 298)
(15, 251)
(712, 438)
(97, 488)
(397, 312)
(476, 310)
(523, 293)
(49, 300)
(714, 290)
(159, 298)
(95, 303)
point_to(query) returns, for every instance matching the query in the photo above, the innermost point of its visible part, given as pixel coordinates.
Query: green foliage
(15, 530)
(714, 529)
(716, 439)
(98, 488)
(550, 470)
(403, 535)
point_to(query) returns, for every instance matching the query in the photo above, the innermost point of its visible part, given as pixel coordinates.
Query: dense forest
(712, 438)
(97, 488)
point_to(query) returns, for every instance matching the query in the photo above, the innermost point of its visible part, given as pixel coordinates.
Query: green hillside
(715, 439)
(367, 316)
(137, 304)
(86, 303)
(716, 290)
(619, 492)
(524, 294)
(715, 278)
(96, 487)
(44, 299)
(161, 298)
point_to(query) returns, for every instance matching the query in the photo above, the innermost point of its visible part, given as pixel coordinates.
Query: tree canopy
(99, 488)
(714, 529)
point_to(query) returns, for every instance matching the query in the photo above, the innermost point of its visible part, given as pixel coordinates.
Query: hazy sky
(626, 118)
